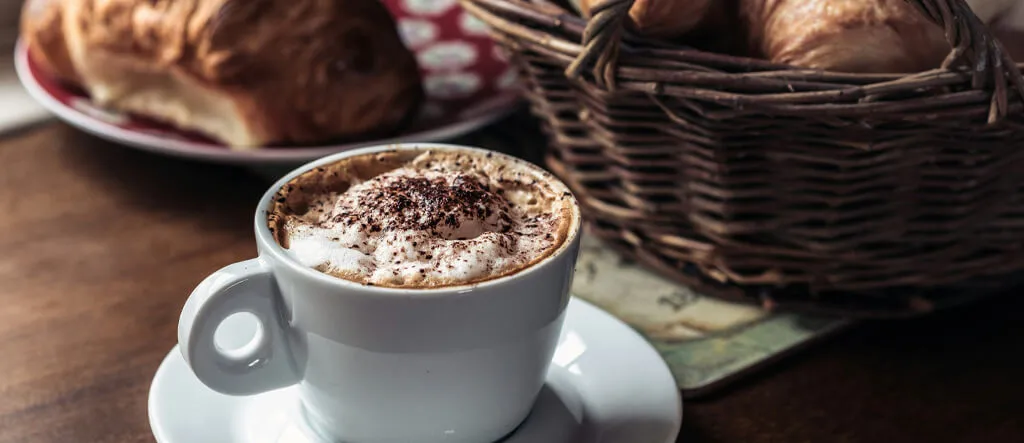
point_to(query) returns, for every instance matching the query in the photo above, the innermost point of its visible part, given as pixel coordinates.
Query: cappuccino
(422, 218)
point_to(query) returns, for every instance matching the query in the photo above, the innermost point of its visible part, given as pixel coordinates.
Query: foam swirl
(440, 219)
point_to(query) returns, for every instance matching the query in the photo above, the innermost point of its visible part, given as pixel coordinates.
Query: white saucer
(606, 385)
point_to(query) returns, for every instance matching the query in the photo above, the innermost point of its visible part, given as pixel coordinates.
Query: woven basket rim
(985, 74)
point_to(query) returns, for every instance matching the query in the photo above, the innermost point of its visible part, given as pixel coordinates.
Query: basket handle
(601, 39)
(973, 45)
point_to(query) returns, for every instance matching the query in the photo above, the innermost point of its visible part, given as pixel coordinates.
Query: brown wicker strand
(964, 30)
(601, 39)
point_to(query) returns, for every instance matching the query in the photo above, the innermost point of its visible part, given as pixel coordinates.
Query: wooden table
(100, 245)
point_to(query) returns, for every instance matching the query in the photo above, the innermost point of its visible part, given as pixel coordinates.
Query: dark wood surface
(100, 245)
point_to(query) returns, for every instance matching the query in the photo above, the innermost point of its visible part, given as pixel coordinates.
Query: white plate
(74, 108)
(606, 385)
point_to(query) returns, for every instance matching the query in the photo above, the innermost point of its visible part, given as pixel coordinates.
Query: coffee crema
(425, 218)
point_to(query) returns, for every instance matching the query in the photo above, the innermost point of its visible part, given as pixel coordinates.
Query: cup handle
(261, 365)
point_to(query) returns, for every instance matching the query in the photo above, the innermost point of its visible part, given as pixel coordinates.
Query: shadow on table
(872, 378)
(221, 195)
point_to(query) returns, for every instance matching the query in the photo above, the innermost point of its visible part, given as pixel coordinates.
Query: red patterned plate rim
(165, 140)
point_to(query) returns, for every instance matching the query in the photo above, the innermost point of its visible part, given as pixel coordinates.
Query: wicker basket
(865, 195)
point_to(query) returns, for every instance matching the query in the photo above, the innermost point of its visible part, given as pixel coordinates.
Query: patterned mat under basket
(863, 195)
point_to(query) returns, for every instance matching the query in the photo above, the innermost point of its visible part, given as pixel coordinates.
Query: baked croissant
(248, 73)
(867, 36)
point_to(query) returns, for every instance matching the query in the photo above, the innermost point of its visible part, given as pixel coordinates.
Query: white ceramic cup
(454, 364)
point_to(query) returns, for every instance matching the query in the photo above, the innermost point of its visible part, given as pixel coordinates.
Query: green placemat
(706, 342)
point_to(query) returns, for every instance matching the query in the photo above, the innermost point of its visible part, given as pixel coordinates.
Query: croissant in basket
(664, 18)
(248, 73)
(864, 36)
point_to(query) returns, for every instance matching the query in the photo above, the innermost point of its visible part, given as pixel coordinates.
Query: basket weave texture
(859, 194)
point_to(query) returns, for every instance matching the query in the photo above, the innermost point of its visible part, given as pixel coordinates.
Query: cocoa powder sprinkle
(421, 203)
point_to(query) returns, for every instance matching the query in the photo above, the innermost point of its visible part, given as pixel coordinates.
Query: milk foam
(441, 219)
